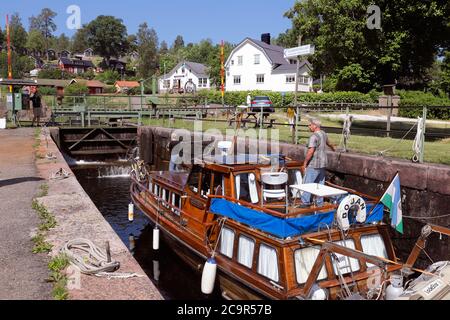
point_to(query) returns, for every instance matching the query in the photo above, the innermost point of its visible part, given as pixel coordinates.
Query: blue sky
(230, 20)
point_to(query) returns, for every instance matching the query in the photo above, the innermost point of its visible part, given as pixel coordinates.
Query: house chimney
(265, 37)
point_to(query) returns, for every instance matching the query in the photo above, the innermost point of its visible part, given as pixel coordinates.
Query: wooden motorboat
(244, 212)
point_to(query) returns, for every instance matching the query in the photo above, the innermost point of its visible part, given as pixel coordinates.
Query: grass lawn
(435, 152)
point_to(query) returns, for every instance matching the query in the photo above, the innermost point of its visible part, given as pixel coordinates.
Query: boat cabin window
(246, 189)
(176, 202)
(304, 262)
(219, 184)
(227, 242)
(268, 263)
(165, 196)
(345, 264)
(194, 179)
(205, 187)
(374, 245)
(245, 251)
(156, 190)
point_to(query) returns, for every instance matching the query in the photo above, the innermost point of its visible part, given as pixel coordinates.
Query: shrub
(76, 89)
(420, 99)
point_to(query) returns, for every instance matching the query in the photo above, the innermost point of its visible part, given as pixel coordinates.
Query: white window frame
(344, 260)
(235, 82)
(227, 237)
(259, 77)
(304, 261)
(257, 59)
(249, 242)
(271, 261)
(240, 60)
(368, 242)
(290, 79)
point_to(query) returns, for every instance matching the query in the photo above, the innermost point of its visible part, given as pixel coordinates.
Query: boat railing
(351, 191)
(300, 212)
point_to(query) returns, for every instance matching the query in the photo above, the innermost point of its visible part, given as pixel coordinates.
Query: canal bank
(77, 217)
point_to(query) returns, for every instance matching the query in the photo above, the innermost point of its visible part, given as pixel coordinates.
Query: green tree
(76, 89)
(107, 36)
(44, 23)
(403, 49)
(21, 65)
(178, 43)
(147, 47)
(445, 76)
(62, 43)
(18, 33)
(109, 77)
(35, 41)
(55, 74)
(214, 65)
(80, 40)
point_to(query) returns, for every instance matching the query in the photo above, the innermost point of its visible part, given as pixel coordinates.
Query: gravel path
(22, 273)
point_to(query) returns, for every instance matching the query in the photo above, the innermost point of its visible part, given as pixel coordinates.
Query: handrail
(273, 212)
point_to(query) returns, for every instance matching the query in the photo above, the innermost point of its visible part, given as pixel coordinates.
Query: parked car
(263, 102)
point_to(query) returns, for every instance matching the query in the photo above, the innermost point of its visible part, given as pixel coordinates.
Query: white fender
(156, 238)
(348, 203)
(131, 212)
(209, 276)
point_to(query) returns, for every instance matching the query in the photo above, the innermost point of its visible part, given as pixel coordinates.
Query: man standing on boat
(316, 160)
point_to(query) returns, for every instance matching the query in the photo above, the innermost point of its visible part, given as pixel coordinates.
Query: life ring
(351, 205)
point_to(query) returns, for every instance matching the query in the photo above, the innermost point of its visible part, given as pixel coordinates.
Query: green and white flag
(393, 200)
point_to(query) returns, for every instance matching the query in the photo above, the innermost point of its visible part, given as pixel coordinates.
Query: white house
(258, 65)
(184, 72)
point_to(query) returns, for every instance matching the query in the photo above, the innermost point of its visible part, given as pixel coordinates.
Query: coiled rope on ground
(91, 260)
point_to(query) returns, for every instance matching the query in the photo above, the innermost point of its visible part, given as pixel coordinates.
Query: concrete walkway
(22, 273)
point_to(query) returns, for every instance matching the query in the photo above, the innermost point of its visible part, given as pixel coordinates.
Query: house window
(257, 58)
(259, 78)
(245, 251)
(268, 263)
(290, 79)
(304, 80)
(237, 80)
(232, 62)
(202, 82)
(240, 60)
(166, 84)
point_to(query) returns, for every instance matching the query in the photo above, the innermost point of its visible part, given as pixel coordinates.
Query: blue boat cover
(279, 227)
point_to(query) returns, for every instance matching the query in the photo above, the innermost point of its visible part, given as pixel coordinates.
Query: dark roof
(53, 83)
(200, 70)
(290, 68)
(77, 63)
(275, 53)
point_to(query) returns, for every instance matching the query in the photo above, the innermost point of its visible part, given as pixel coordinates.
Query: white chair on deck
(278, 183)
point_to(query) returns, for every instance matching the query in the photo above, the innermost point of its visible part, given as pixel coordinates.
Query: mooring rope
(91, 260)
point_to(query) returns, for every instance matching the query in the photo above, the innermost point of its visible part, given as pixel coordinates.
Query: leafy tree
(178, 43)
(76, 89)
(214, 65)
(62, 43)
(132, 43)
(36, 41)
(147, 47)
(109, 77)
(163, 49)
(2, 36)
(403, 49)
(107, 36)
(445, 76)
(80, 40)
(21, 65)
(18, 33)
(44, 23)
(55, 74)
